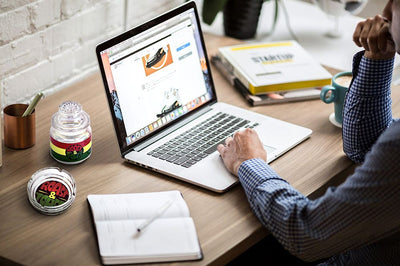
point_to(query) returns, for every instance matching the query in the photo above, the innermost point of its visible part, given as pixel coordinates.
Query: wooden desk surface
(225, 223)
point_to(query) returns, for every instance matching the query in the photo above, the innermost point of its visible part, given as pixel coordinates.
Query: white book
(167, 231)
(274, 66)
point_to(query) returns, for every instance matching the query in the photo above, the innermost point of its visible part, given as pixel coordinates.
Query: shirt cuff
(253, 172)
(372, 77)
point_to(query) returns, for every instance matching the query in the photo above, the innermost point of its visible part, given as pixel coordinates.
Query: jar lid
(70, 117)
(51, 190)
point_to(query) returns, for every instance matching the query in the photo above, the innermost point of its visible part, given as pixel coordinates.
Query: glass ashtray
(51, 190)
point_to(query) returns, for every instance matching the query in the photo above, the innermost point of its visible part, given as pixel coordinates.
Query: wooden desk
(225, 223)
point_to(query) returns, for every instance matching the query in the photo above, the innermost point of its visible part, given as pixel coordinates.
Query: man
(357, 223)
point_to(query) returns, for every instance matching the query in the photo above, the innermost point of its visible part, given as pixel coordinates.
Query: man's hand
(243, 146)
(374, 36)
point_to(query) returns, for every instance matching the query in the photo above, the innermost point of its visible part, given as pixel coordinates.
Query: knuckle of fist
(377, 18)
(361, 24)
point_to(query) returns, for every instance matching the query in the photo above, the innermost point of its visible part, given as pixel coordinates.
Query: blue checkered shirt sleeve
(350, 224)
(367, 112)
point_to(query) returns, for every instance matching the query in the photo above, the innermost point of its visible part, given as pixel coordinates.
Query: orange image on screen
(158, 60)
(107, 70)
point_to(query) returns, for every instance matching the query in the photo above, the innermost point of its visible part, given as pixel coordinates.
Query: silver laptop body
(162, 99)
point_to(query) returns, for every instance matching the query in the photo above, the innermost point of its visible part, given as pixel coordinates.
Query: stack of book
(273, 72)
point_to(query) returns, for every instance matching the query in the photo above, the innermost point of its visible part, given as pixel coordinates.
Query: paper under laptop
(159, 86)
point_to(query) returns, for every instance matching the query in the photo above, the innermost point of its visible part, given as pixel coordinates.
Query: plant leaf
(211, 9)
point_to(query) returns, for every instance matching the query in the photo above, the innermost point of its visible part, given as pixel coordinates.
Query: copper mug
(19, 131)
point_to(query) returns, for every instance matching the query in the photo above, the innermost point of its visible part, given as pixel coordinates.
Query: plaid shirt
(357, 223)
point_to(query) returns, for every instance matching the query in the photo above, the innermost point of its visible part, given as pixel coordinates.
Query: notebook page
(137, 205)
(164, 239)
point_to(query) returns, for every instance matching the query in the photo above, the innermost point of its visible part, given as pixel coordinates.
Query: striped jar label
(71, 152)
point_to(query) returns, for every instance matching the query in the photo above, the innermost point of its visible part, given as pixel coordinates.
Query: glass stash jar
(70, 134)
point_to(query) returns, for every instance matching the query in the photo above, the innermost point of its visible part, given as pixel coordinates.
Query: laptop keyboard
(200, 141)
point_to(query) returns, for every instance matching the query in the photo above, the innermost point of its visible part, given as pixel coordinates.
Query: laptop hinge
(171, 129)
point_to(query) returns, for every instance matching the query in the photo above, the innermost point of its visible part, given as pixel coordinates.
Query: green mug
(336, 93)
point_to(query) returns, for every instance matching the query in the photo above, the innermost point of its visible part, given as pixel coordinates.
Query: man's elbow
(310, 254)
(354, 155)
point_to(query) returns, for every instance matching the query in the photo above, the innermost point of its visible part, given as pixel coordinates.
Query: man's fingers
(221, 149)
(386, 42)
(364, 34)
(382, 44)
(373, 35)
(228, 140)
(356, 34)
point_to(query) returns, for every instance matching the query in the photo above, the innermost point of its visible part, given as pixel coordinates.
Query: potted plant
(240, 17)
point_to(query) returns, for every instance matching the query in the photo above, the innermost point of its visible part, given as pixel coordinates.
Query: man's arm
(367, 110)
(360, 211)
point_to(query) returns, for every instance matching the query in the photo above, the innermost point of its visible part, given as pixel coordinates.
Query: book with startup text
(266, 98)
(166, 230)
(274, 67)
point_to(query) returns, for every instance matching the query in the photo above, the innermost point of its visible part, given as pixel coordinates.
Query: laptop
(164, 107)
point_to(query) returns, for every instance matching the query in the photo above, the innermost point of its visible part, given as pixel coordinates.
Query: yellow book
(274, 66)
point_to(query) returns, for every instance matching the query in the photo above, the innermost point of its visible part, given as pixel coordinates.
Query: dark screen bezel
(124, 148)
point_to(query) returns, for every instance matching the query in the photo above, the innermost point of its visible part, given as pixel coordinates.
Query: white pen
(155, 216)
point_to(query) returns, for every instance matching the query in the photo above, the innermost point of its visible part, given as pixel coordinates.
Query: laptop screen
(156, 74)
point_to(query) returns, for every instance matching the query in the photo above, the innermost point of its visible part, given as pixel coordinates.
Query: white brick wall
(46, 45)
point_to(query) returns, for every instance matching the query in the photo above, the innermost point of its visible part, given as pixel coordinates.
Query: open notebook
(169, 235)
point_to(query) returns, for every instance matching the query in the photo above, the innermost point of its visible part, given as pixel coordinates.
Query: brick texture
(47, 45)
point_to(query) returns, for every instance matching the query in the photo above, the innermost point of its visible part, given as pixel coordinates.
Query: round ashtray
(51, 190)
